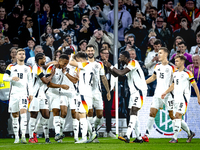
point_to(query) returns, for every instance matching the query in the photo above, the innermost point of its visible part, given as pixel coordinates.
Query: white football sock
(89, 127)
(62, 124)
(75, 128)
(56, 123)
(137, 130)
(97, 122)
(131, 125)
(150, 123)
(31, 127)
(177, 128)
(23, 123)
(91, 121)
(45, 127)
(15, 124)
(38, 124)
(84, 126)
(185, 127)
(173, 124)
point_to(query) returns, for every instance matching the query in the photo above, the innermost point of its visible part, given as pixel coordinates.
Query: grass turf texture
(105, 143)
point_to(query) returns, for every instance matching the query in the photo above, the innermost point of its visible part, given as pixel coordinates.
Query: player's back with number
(86, 77)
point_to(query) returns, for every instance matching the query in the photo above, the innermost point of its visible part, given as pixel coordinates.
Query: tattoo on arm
(105, 83)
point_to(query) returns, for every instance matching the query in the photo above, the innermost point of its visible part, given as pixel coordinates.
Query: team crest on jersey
(167, 70)
(96, 66)
(25, 70)
(182, 75)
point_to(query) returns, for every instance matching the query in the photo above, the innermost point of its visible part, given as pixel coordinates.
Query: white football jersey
(136, 79)
(24, 73)
(164, 74)
(72, 71)
(182, 84)
(86, 79)
(38, 85)
(57, 78)
(98, 71)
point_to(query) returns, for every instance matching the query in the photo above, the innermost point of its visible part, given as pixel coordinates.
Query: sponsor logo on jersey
(167, 70)
(15, 70)
(25, 70)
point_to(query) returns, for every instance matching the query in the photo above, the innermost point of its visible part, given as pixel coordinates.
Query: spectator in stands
(38, 49)
(133, 56)
(191, 9)
(86, 29)
(4, 101)
(49, 46)
(23, 20)
(124, 21)
(5, 47)
(161, 30)
(27, 32)
(152, 17)
(49, 31)
(67, 43)
(150, 62)
(131, 7)
(181, 50)
(151, 40)
(65, 30)
(104, 54)
(13, 59)
(14, 22)
(97, 39)
(73, 14)
(98, 18)
(83, 7)
(175, 17)
(57, 54)
(186, 33)
(29, 50)
(177, 40)
(131, 44)
(3, 16)
(139, 30)
(195, 69)
(196, 49)
(107, 6)
(15, 42)
(82, 45)
(166, 9)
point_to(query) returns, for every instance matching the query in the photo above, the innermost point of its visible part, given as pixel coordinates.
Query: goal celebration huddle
(74, 82)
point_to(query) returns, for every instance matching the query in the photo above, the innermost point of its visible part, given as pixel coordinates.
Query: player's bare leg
(56, 123)
(31, 125)
(131, 126)
(150, 122)
(75, 124)
(63, 115)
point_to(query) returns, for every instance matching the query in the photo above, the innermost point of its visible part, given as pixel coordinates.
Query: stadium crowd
(56, 26)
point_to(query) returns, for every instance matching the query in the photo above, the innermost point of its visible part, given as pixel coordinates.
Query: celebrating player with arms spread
(20, 77)
(138, 90)
(182, 81)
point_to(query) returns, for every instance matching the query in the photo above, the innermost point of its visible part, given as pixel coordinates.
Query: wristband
(111, 67)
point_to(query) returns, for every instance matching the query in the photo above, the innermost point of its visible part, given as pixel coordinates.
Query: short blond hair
(20, 49)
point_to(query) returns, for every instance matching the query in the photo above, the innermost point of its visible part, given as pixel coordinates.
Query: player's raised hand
(163, 95)
(108, 96)
(15, 79)
(64, 86)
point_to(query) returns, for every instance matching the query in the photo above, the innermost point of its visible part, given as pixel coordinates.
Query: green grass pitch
(105, 143)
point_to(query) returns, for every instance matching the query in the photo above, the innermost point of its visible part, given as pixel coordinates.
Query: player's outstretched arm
(48, 64)
(74, 63)
(105, 83)
(151, 79)
(171, 88)
(196, 89)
